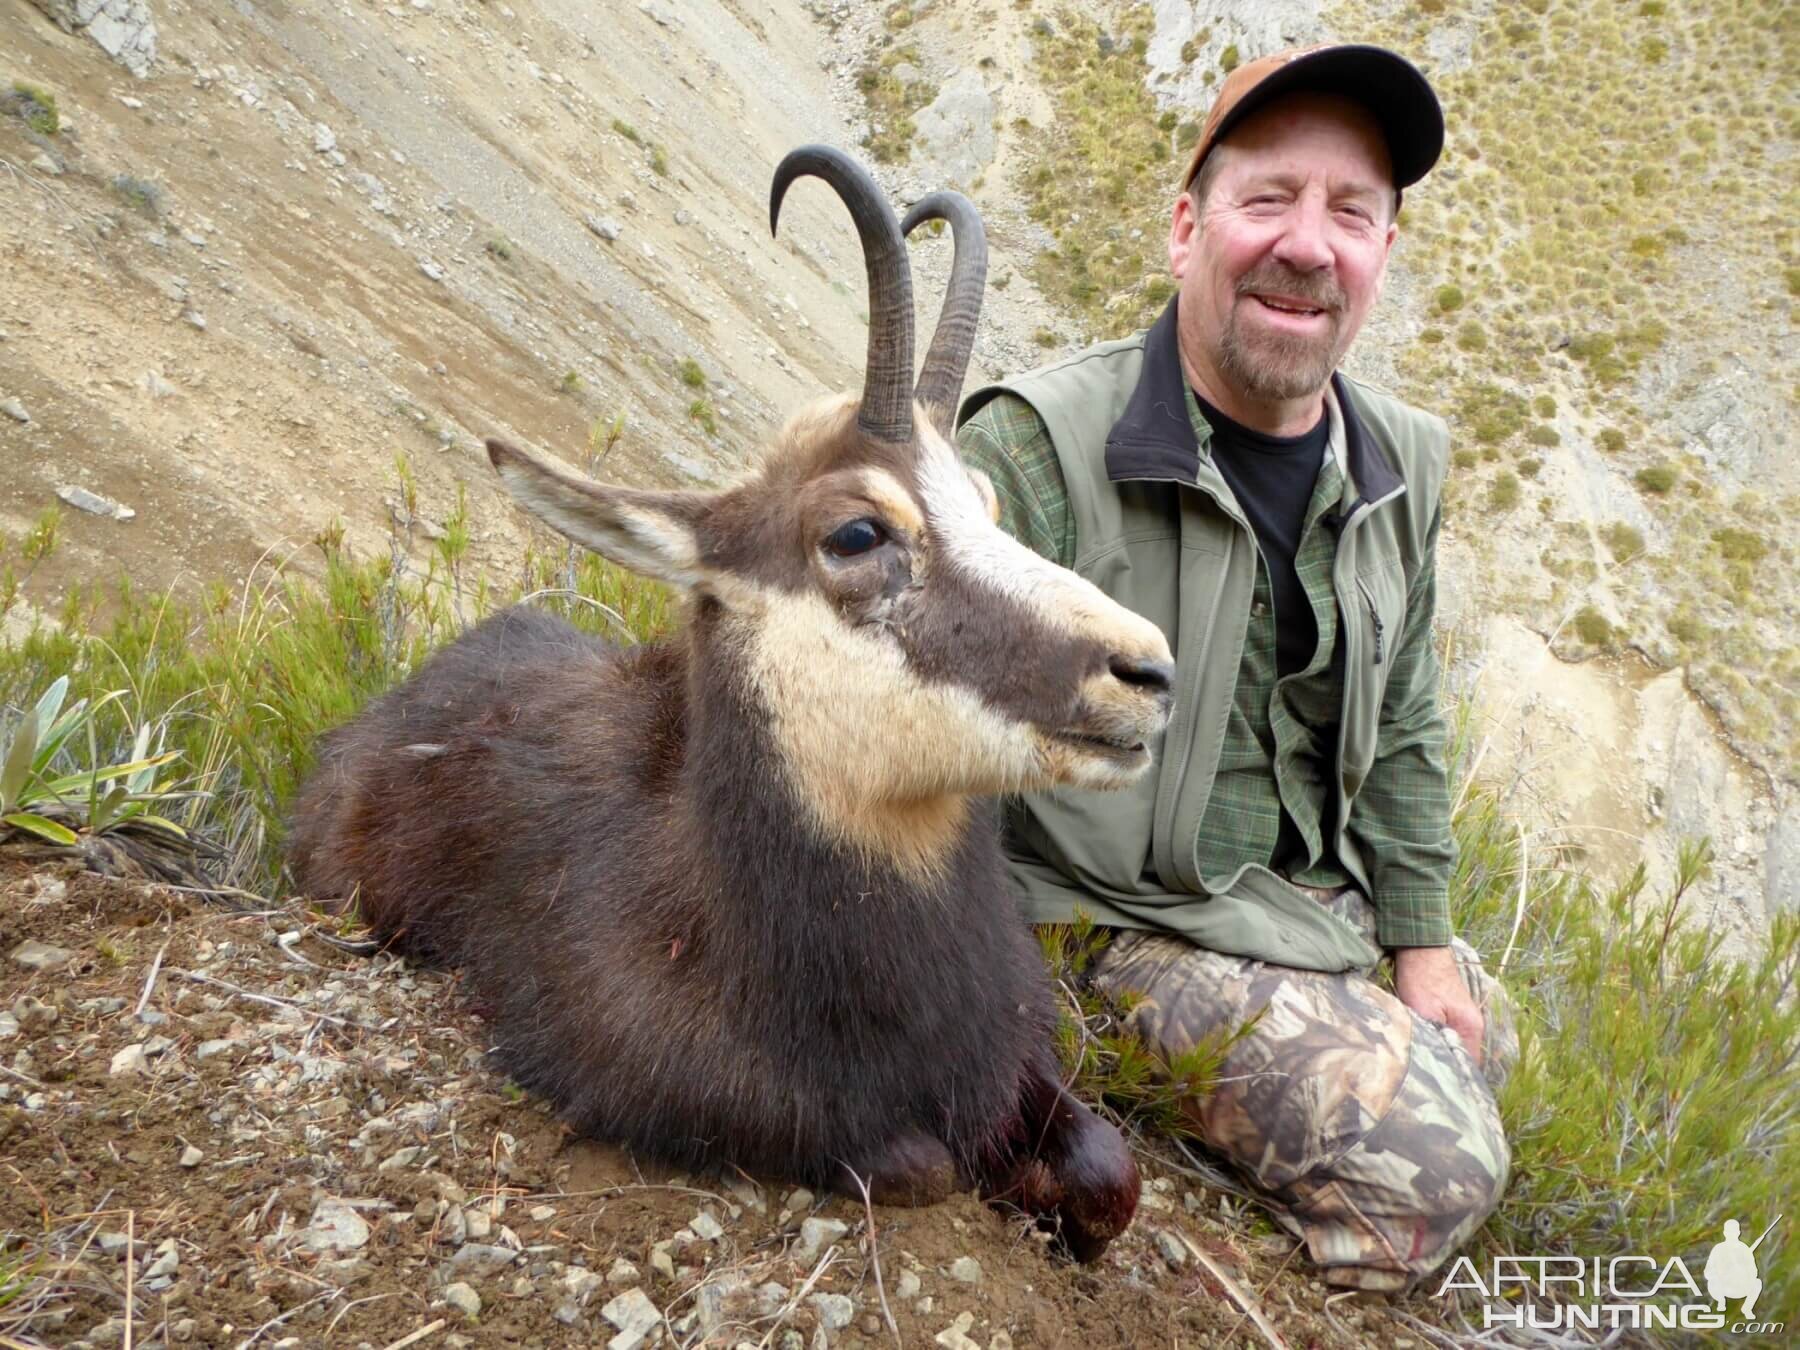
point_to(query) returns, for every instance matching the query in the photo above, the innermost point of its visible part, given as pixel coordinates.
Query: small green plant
(140, 193)
(1045, 337)
(1471, 337)
(1739, 545)
(691, 374)
(125, 800)
(499, 247)
(701, 411)
(1612, 440)
(628, 131)
(1544, 406)
(36, 107)
(1505, 492)
(1543, 434)
(1657, 479)
(1623, 541)
(659, 161)
(602, 437)
(1593, 627)
(1229, 59)
(1449, 297)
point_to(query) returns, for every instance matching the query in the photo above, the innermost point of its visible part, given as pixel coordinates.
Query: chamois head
(904, 651)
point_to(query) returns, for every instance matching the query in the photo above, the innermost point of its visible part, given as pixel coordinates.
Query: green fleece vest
(1157, 529)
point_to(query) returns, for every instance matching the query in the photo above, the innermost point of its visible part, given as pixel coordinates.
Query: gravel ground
(234, 1133)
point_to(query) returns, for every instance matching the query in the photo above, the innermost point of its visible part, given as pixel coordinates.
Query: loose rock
(966, 1269)
(836, 1311)
(463, 1298)
(335, 1226)
(191, 1156)
(606, 227)
(634, 1315)
(93, 503)
(15, 410)
(956, 1335)
(816, 1234)
(41, 956)
(128, 1060)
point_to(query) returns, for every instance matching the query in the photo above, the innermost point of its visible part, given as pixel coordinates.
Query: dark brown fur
(604, 841)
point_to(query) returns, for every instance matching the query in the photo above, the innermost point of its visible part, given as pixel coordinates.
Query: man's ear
(1184, 228)
(655, 533)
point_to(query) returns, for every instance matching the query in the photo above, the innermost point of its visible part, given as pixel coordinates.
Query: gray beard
(1273, 366)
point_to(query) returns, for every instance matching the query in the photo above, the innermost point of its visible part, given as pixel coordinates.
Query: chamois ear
(654, 533)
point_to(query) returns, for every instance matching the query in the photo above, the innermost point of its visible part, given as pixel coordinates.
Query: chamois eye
(858, 536)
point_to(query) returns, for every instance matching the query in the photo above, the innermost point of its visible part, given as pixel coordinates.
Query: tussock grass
(1657, 1092)
(241, 684)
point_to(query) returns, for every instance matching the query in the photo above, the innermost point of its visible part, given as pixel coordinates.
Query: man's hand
(1428, 982)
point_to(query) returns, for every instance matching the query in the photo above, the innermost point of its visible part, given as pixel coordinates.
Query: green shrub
(499, 247)
(1543, 435)
(1504, 493)
(702, 412)
(628, 131)
(1530, 468)
(1685, 628)
(1544, 406)
(1612, 440)
(1593, 628)
(1740, 545)
(1228, 59)
(1471, 338)
(1449, 297)
(691, 374)
(36, 107)
(1622, 541)
(1657, 479)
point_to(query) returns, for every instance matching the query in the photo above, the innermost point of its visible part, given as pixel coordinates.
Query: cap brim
(1387, 84)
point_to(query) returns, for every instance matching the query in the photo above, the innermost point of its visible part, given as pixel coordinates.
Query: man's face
(1283, 262)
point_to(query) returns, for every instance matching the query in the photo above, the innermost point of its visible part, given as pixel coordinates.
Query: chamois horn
(886, 412)
(947, 359)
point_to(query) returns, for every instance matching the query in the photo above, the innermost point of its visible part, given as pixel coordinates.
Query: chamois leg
(909, 1170)
(1073, 1172)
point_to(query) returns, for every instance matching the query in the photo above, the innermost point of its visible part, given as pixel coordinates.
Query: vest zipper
(1375, 614)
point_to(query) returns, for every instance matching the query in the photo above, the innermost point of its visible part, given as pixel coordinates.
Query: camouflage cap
(1384, 82)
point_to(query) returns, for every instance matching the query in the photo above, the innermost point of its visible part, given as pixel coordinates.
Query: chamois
(736, 897)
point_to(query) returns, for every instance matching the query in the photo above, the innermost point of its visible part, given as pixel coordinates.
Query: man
(1279, 521)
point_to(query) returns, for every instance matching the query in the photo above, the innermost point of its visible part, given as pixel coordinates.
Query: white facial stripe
(1057, 597)
(890, 496)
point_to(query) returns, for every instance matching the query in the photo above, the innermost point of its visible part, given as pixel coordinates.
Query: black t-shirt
(1273, 479)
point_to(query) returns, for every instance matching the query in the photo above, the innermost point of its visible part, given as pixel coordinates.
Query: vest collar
(1154, 440)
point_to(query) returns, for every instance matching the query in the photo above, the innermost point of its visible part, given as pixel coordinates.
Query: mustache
(1322, 292)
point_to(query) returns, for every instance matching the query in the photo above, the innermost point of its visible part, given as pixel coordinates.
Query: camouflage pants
(1369, 1130)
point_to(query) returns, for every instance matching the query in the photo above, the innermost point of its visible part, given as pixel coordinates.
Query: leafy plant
(97, 799)
(36, 107)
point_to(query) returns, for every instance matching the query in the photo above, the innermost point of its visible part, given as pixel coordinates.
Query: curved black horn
(947, 360)
(887, 409)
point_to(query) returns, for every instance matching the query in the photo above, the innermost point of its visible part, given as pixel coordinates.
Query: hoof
(911, 1170)
(1075, 1175)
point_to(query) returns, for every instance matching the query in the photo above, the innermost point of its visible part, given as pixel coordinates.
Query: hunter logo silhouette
(1731, 1268)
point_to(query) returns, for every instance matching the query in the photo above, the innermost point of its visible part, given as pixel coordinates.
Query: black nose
(1153, 677)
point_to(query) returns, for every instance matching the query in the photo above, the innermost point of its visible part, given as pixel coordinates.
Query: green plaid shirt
(1279, 742)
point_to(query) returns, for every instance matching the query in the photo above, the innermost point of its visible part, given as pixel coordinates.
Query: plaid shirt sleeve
(1008, 442)
(1402, 815)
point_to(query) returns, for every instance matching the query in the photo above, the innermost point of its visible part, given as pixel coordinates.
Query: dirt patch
(307, 1148)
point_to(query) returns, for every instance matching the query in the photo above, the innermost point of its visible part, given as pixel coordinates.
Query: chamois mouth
(1123, 748)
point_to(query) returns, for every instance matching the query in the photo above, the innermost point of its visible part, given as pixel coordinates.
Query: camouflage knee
(1370, 1129)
